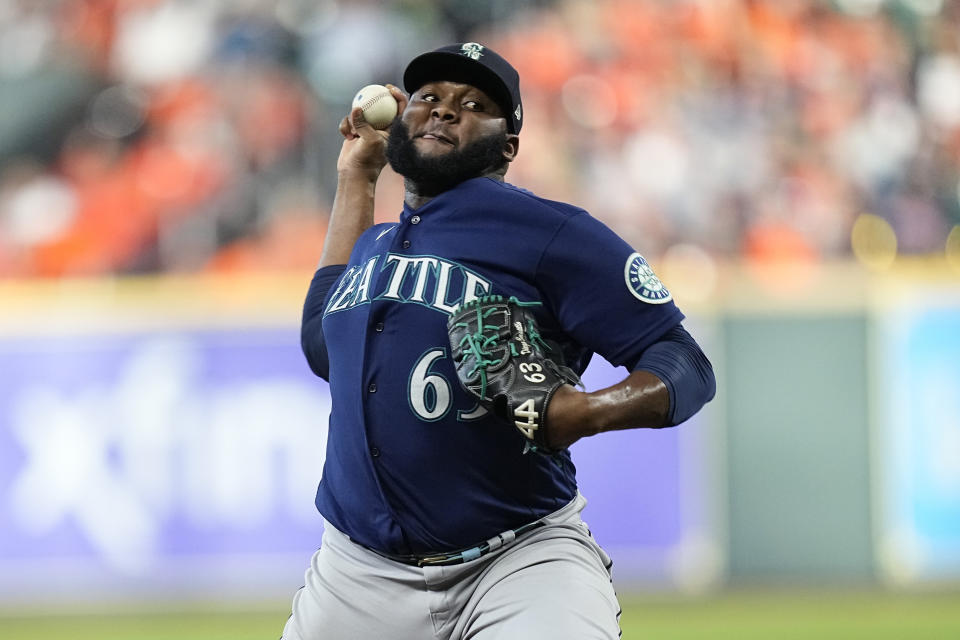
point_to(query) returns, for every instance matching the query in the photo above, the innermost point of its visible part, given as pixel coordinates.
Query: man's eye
(429, 97)
(473, 105)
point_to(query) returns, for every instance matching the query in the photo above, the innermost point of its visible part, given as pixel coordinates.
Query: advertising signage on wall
(183, 462)
(156, 460)
(918, 452)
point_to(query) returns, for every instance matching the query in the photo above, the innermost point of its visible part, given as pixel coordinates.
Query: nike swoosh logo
(385, 232)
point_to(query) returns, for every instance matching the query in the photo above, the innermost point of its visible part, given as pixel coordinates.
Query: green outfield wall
(797, 465)
(840, 405)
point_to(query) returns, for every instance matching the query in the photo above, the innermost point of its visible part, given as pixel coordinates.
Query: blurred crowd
(142, 136)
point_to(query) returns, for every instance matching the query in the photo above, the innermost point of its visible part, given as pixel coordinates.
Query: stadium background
(790, 168)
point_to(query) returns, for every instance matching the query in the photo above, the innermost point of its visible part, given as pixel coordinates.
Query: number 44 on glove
(502, 360)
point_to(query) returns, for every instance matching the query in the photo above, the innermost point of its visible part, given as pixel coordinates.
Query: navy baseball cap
(473, 64)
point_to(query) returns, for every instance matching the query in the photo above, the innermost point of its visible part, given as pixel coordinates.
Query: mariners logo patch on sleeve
(643, 282)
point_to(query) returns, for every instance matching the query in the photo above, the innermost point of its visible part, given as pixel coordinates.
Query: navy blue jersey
(413, 463)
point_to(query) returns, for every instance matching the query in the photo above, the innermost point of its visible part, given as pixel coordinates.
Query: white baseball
(379, 106)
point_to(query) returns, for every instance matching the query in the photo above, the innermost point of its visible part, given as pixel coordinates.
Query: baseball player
(452, 339)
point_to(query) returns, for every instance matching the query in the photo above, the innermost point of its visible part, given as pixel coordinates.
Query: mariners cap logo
(643, 282)
(516, 112)
(472, 50)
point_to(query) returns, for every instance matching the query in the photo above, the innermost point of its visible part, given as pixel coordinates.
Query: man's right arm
(311, 326)
(362, 158)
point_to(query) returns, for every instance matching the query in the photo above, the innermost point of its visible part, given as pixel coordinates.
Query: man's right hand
(364, 148)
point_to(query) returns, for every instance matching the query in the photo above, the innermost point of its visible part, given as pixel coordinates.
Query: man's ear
(511, 147)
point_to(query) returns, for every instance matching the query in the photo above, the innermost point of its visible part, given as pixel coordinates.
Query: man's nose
(444, 111)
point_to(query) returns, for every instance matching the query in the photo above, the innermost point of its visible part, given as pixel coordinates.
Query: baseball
(379, 107)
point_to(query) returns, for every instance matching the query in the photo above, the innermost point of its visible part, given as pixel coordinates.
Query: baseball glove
(502, 360)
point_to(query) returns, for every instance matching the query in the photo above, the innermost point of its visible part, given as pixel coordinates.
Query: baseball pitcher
(453, 339)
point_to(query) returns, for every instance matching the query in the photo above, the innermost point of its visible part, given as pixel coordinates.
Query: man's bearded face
(433, 174)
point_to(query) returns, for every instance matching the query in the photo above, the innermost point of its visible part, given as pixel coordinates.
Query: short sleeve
(602, 292)
(311, 328)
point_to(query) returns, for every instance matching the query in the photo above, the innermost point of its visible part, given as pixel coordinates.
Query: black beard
(432, 175)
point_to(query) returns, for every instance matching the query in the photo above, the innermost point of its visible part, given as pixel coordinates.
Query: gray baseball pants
(550, 584)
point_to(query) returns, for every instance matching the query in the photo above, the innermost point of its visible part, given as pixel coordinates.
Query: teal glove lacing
(476, 344)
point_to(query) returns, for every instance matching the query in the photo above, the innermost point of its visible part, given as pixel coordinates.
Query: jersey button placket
(372, 388)
(414, 219)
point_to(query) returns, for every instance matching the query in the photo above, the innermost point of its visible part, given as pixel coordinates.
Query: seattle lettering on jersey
(426, 280)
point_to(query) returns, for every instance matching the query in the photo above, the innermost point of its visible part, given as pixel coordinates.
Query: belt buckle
(435, 560)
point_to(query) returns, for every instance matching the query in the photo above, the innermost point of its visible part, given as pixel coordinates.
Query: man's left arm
(669, 382)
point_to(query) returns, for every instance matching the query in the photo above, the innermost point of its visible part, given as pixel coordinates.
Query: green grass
(220, 625)
(790, 614)
(771, 614)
